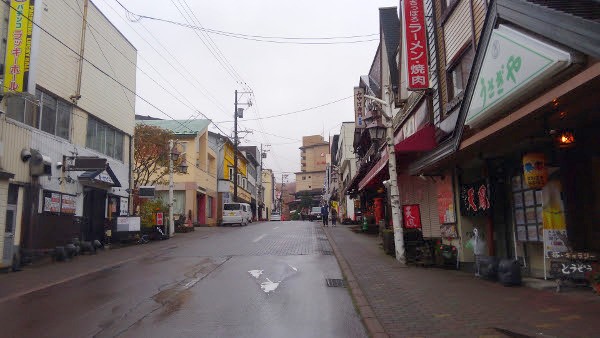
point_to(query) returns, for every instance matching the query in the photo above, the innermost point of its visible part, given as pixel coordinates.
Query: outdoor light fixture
(377, 132)
(565, 139)
(174, 153)
(183, 167)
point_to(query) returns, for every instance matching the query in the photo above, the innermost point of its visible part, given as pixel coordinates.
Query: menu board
(52, 202)
(68, 204)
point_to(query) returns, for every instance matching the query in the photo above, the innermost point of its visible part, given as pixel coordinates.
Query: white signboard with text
(514, 63)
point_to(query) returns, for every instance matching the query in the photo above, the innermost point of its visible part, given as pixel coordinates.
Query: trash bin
(509, 272)
(488, 266)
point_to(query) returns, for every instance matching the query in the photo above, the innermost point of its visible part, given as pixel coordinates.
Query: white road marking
(269, 286)
(255, 273)
(293, 267)
(259, 238)
(275, 228)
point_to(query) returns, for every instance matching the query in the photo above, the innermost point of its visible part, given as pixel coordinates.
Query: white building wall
(110, 51)
(105, 48)
(57, 66)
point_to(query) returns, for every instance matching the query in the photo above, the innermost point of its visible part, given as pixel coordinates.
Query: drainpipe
(75, 98)
(130, 193)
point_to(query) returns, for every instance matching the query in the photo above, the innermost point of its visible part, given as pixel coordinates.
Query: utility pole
(394, 192)
(237, 113)
(235, 150)
(171, 220)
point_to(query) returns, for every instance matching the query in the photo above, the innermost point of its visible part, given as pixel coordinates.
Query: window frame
(458, 61)
(99, 142)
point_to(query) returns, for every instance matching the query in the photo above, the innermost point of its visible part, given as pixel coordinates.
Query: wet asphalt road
(264, 280)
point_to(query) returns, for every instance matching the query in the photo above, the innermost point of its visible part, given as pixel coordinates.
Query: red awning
(422, 140)
(382, 163)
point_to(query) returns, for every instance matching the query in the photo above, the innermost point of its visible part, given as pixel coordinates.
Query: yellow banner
(18, 45)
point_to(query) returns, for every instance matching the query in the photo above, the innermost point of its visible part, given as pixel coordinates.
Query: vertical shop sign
(18, 45)
(411, 215)
(474, 199)
(417, 68)
(159, 218)
(553, 213)
(359, 107)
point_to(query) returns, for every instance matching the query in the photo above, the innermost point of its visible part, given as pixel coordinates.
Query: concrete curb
(368, 317)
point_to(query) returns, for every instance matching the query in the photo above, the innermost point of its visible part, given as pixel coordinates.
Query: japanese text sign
(359, 107)
(474, 199)
(18, 45)
(159, 218)
(514, 63)
(411, 216)
(417, 68)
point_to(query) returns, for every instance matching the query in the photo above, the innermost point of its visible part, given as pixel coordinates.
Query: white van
(237, 213)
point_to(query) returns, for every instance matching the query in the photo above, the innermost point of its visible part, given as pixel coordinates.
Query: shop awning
(377, 168)
(422, 140)
(103, 177)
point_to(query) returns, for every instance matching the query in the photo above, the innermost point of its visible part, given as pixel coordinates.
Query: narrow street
(263, 280)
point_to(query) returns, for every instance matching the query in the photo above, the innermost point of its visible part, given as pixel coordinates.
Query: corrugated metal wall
(457, 30)
(414, 190)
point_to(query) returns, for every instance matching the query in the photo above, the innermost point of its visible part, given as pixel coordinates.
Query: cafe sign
(514, 64)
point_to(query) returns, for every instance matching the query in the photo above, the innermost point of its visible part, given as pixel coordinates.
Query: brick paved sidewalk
(425, 302)
(37, 277)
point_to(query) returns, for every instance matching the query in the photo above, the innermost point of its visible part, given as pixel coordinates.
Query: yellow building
(194, 193)
(226, 189)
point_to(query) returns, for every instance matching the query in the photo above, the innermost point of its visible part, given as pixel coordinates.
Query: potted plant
(594, 277)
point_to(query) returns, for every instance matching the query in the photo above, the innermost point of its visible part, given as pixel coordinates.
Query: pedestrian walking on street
(325, 215)
(333, 216)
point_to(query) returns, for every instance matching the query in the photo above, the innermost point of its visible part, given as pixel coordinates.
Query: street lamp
(387, 122)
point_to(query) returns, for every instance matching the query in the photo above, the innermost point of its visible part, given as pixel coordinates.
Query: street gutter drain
(335, 283)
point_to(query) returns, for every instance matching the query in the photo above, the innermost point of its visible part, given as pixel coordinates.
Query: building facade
(226, 189)
(313, 164)
(194, 192)
(268, 183)
(67, 127)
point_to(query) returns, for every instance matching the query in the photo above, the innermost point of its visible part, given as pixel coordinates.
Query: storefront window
(458, 73)
(527, 206)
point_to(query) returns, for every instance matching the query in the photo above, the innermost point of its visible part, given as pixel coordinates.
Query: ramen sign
(416, 45)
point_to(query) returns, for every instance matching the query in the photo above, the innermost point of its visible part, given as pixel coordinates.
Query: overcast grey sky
(284, 77)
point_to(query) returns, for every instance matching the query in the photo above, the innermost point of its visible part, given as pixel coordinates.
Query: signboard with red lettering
(159, 218)
(474, 199)
(417, 67)
(411, 216)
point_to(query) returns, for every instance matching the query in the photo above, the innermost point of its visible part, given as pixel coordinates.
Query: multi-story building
(67, 125)
(253, 155)
(226, 186)
(345, 160)
(310, 179)
(195, 192)
(268, 183)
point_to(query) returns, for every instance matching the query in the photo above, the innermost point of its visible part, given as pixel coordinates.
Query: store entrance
(94, 209)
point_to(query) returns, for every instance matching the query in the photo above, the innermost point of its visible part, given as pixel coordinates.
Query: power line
(205, 92)
(261, 38)
(94, 65)
(296, 111)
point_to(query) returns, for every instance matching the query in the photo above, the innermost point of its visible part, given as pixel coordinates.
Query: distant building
(313, 163)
